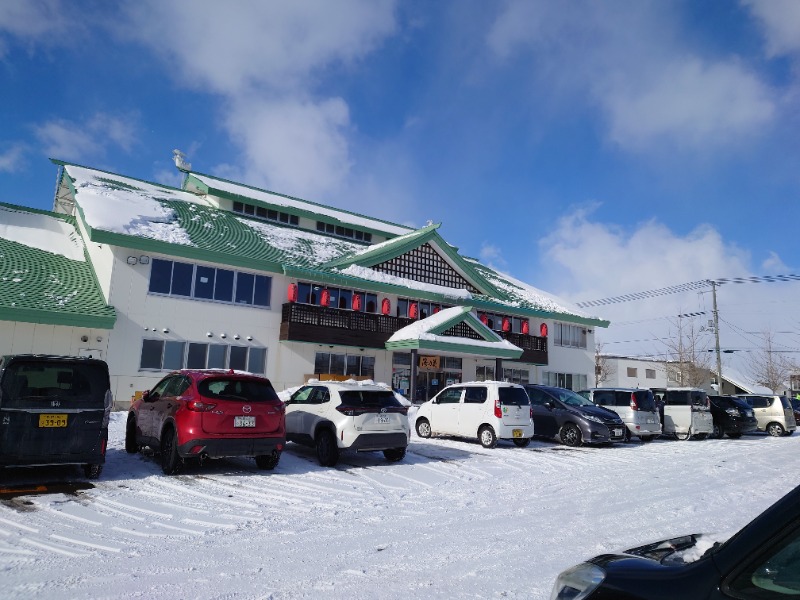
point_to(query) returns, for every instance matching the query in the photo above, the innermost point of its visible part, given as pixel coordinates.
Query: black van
(54, 410)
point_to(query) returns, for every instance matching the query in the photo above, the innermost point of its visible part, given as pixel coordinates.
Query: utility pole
(716, 336)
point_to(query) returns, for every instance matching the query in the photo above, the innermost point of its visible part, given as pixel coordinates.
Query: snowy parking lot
(453, 520)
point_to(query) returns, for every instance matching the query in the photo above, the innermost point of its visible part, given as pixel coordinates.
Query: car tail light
(634, 404)
(498, 411)
(198, 406)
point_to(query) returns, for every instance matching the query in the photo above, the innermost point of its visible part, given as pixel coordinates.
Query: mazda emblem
(246, 408)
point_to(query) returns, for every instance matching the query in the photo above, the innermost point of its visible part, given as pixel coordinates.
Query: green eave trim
(44, 317)
(442, 346)
(499, 306)
(292, 210)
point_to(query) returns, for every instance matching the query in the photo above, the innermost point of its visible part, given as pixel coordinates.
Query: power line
(686, 287)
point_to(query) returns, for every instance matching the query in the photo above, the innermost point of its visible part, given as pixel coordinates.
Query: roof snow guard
(427, 334)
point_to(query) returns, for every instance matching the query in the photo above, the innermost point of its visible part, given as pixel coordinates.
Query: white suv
(334, 416)
(487, 410)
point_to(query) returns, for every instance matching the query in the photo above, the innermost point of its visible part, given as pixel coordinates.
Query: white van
(486, 410)
(635, 406)
(685, 413)
(774, 413)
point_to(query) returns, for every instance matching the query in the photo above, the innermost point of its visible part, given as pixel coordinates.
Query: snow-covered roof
(742, 381)
(280, 200)
(41, 231)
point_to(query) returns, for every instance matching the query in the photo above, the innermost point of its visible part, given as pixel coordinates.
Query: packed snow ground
(453, 520)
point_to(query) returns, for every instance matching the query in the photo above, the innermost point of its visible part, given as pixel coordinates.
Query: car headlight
(577, 582)
(734, 412)
(593, 418)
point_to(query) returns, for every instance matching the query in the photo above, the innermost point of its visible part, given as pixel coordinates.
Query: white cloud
(291, 147)
(11, 159)
(40, 21)
(88, 139)
(780, 20)
(233, 48)
(492, 256)
(621, 58)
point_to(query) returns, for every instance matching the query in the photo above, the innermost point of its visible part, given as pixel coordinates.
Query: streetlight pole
(716, 336)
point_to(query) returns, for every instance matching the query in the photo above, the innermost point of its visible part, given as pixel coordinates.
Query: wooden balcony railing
(334, 326)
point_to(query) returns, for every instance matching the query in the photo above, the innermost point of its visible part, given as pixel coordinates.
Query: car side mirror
(549, 405)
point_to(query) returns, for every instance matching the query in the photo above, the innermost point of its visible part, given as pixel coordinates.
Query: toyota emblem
(246, 408)
(383, 410)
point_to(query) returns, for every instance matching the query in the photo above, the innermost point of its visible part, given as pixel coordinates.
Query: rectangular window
(173, 355)
(573, 336)
(238, 359)
(223, 290)
(368, 366)
(238, 207)
(217, 356)
(321, 226)
(244, 288)
(182, 279)
(160, 276)
(196, 359)
(337, 364)
(632, 372)
(261, 212)
(204, 282)
(249, 209)
(352, 365)
(152, 351)
(650, 373)
(262, 292)
(272, 215)
(322, 362)
(257, 360)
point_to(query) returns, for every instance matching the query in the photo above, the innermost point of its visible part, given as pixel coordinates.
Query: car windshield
(513, 396)
(246, 390)
(369, 398)
(570, 398)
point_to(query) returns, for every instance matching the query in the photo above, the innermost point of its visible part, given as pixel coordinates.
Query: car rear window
(73, 384)
(684, 397)
(245, 390)
(513, 396)
(786, 404)
(645, 400)
(369, 398)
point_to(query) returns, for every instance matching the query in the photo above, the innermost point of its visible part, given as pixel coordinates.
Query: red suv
(208, 414)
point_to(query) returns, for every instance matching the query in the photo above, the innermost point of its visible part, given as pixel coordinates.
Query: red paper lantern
(356, 301)
(436, 309)
(413, 310)
(543, 330)
(526, 328)
(386, 306)
(506, 324)
(484, 319)
(325, 298)
(292, 292)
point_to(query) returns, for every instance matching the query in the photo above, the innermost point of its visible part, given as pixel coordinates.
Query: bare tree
(603, 369)
(688, 360)
(770, 367)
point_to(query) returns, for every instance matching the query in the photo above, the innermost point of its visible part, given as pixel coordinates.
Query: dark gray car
(561, 414)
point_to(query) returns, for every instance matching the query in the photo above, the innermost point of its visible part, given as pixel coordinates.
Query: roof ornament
(429, 223)
(180, 162)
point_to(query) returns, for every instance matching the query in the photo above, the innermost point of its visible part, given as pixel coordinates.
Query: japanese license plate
(618, 432)
(517, 433)
(47, 420)
(382, 419)
(244, 421)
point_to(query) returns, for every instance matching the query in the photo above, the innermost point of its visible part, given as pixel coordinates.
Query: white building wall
(620, 377)
(37, 338)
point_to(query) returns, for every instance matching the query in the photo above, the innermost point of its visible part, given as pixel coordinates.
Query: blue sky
(588, 148)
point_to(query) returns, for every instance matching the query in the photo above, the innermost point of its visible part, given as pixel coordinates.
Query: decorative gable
(463, 330)
(425, 265)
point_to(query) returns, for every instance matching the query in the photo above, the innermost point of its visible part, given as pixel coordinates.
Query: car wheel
(395, 454)
(647, 438)
(683, 436)
(571, 435)
(327, 452)
(522, 442)
(92, 471)
(131, 445)
(267, 462)
(775, 429)
(170, 460)
(718, 432)
(700, 436)
(487, 437)
(626, 436)
(735, 436)
(423, 428)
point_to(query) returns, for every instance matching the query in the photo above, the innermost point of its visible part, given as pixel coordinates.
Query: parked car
(635, 406)
(572, 419)
(486, 410)
(774, 413)
(337, 416)
(202, 414)
(732, 416)
(761, 561)
(795, 408)
(685, 413)
(54, 410)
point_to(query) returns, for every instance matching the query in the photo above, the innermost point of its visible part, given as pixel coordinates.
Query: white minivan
(685, 413)
(774, 413)
(486, 410)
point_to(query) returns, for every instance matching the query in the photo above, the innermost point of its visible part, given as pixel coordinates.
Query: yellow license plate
(52, 420)
(517, 433)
